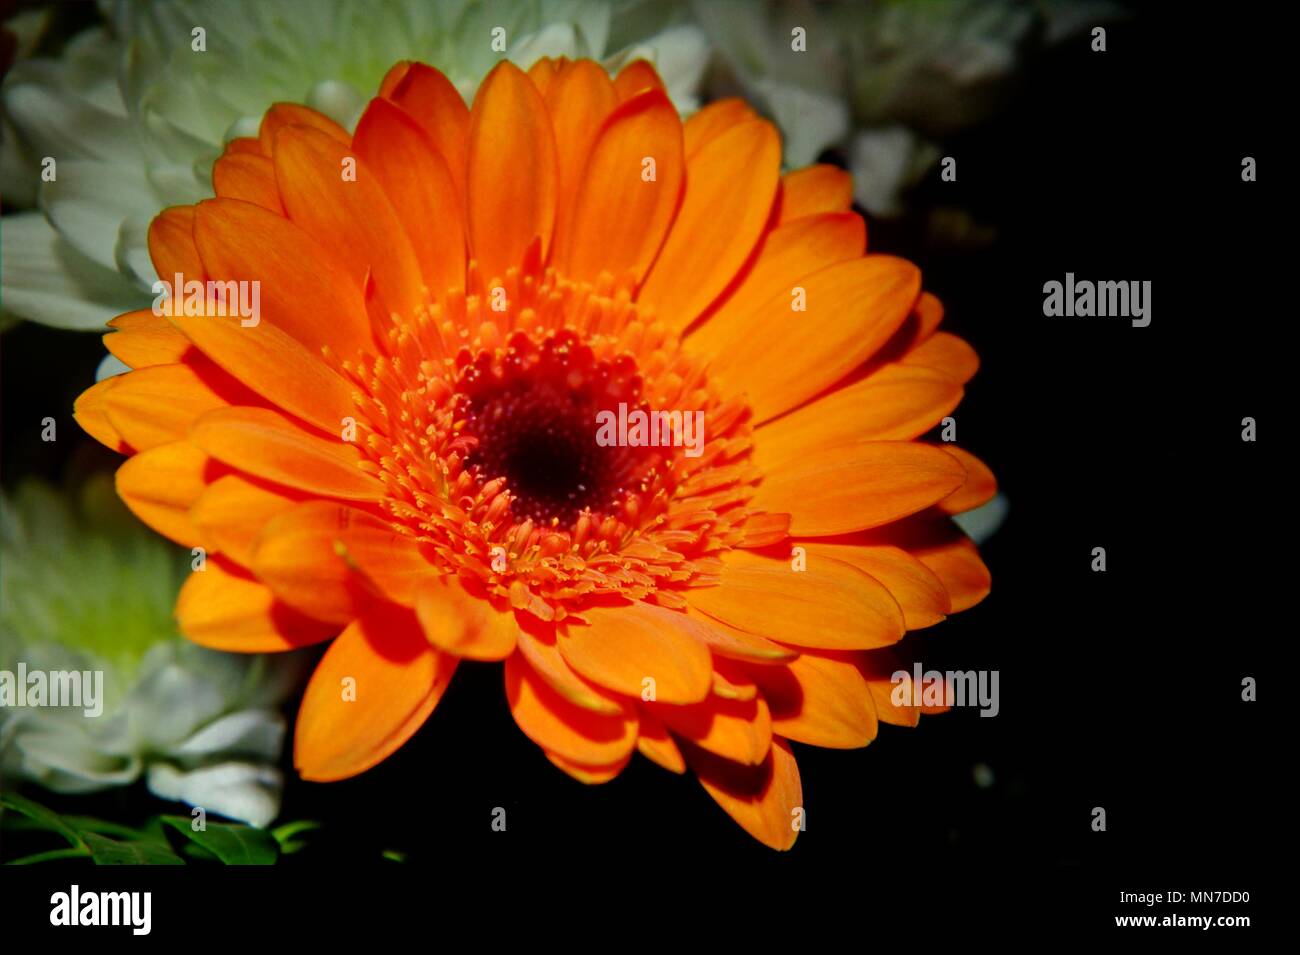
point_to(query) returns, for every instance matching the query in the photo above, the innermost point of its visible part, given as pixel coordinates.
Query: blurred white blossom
(84, 587)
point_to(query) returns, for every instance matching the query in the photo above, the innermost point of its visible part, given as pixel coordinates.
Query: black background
(1119, 689)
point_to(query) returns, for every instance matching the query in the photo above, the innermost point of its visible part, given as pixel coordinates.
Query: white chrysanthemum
(134, 116)
(89, 589)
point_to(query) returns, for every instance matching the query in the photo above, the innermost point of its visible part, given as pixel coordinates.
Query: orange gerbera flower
(401, 452)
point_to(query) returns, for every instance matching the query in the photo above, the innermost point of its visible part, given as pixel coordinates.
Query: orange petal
(556, 725)
(919, 592)
(156, 405)
(172, 247)
(433, 102)
(739, 730)
(934, 540)
(317, 306)
(579, 100)
(143, 339)
(376, 685)
(656, 744)
(707, 124)
(161, 484)
(89, 412)
(929, 313)
(417, 181)
(511, 172)
(282, 115)
(391, 561)
(852, 309)
(920, 325)
(730, 184)
(637, 77)
(396, 73)
(814, 189)
(878, 669)
(614, 192)
(623, 647)
(270, 446)
(232, 511)
(537, 642)
(726, 641)
(348, 215)
(796, 249)
(979, 488)
(299, 555)
(895, 404)
(831, 604)
(957, 563)
(820, 699)
(242, 175)
(224, 609)
(588, 774)
(245, 144)
(761, 529)
(274, 366)
(767, 800)
(542, 73)
(464, 624)
(946, 353)
(731, 682)
(850, 487)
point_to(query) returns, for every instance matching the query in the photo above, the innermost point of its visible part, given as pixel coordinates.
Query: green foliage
(162, 840)
(231, 844)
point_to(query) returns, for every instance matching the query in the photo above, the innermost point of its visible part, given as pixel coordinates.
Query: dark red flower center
(532, 419)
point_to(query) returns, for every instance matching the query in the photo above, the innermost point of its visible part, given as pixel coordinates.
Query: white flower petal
(810, 120)
(885, 161)
(170, 703)
(251, 732)
(89, 200)
(558, 39)
(110, 366)
(62, 125)
(242, 791)
(592, 22)
(70, 763)
(983, 522)
(131, 253)
(339, 101)
(45, 279)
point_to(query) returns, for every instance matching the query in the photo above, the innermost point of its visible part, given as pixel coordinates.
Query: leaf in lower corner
(232, 844)
(106, 851)
(41, 817)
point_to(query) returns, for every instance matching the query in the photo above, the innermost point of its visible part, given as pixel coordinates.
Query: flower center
(532, 420)
(483, 427)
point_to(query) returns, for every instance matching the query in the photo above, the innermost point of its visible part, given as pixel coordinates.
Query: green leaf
(54, 855)
(285, 835)
(106, 851)
(115, 829)
(232, 844)
(42, 817)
